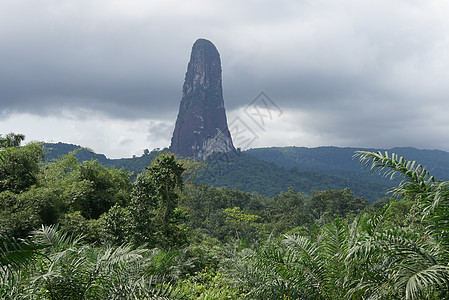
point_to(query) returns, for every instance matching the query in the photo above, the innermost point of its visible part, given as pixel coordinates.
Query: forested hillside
(270, 171)
(73, 229)
(246, 173)
(338, 161)
(136, 164)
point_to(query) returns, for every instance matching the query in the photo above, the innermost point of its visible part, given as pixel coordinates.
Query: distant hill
(135, 164)
(335, 160)
(269, 171)
(55, 150)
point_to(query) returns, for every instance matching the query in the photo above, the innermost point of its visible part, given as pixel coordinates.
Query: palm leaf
(417, 180)
(57, 239)
(431, 278)
(15, 253)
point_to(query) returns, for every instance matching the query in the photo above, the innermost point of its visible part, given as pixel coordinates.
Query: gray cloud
(370, 73)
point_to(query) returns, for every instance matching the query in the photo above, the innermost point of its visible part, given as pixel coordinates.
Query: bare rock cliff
(201, 127)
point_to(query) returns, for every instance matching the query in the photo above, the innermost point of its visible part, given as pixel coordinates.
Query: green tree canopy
(20, 167)
(154, 203)
(336, 203)
(11, 140)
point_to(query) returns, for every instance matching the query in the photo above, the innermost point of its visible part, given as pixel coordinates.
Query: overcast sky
(108, 74)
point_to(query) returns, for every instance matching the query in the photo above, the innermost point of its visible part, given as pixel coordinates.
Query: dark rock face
(201, 127)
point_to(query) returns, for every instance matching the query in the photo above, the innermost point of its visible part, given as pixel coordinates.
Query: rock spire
(201, 127)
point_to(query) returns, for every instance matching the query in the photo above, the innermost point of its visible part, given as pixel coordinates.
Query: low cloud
(352, 73)
(116, 138)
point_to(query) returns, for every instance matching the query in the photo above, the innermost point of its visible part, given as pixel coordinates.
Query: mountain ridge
(329, 157)
(272, 170)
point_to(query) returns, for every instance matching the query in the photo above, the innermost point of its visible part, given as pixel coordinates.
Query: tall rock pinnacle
(201, 127)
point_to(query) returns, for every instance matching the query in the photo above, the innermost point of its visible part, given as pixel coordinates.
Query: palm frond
(310, 264)
(417, 179)
(272, 272)
(118, 257)
(57, 239)
(436, 211)
(336, 237)
(432, 196)
(431, 278)
(15, 253)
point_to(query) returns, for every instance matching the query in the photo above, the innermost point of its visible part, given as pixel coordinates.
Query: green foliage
(312, 169)
(340, 162)
(154, 204)
(417, 180)
(400, 212)
(19, 167)
(209, 210)
(246, 173)
(397, 262)
(55, 151)
(85, 191)
(166, 176)
(36, 194)
(21, 213)
(244, 225)
(117, 226)
(99, 188)
(72, 270)
(16, 216)
(431, 197)
(269, 171)
(11, 140)
(192, 168)
(299, 268)
(287, 210)
(206, 205)
(92, 230)
(15, 253)
(208, 284)
(336, 203)
(336, 247)
(370, 257)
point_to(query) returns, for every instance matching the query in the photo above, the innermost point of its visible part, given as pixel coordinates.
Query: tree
(430, 196)
(15, 255)
(192, 168)
(336, 203)
(154, 203)
(205, 206)
(11, 140)
(19, 167)
(73, 270)
(287, 210)
(98, 188)
(21, 206)
(243, 224)
(368, 258)
(76, 194)
(117, 225)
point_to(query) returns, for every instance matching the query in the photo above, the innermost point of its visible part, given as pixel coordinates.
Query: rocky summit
(201, 127)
